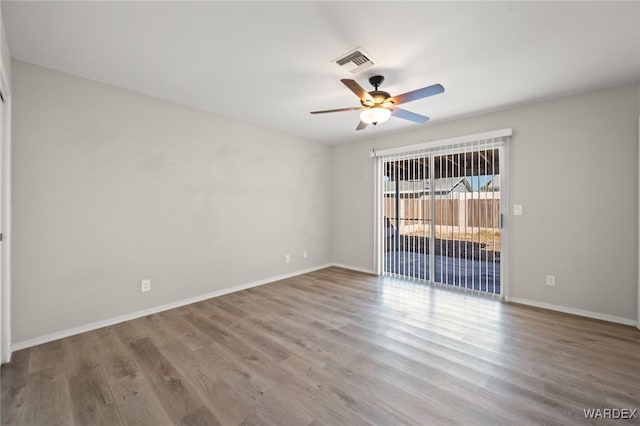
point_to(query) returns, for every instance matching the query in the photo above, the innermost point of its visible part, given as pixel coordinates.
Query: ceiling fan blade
(408, 115)
(338, 110)
(436, 89)
(361, 125)
(357, 89)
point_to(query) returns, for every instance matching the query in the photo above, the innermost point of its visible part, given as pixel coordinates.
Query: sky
(479, 181)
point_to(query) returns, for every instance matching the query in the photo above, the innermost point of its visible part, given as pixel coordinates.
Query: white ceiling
(268, 63)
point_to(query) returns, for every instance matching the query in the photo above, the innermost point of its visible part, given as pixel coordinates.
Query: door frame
(379, 227)
(5, 218)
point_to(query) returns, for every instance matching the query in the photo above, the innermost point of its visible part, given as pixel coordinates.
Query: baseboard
(139, 314)
(354, 268)
(573, 311)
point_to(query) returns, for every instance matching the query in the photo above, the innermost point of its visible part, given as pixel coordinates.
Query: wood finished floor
(331, 347)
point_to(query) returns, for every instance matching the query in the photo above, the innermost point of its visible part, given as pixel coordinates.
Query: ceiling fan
(378, 105)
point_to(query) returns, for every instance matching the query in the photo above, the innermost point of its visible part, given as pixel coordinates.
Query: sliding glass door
(441, 215)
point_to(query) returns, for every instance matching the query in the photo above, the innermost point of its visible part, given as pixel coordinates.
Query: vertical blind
(439, 211)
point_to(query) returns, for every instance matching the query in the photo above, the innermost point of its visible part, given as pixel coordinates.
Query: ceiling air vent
(355, 61)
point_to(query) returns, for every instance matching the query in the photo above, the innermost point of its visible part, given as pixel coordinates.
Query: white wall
(587, 238)
(111, 187)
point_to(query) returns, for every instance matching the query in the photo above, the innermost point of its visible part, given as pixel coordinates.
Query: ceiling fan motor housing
(378, 97)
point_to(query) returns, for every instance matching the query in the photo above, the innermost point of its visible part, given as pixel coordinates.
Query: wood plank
(225, 404)
(80, 352)
(15, 402)
(177, 397)
(200, 417)
(46, 356)
(91, 399)
(142, 409)
(135, 400)
(190, 336)
(48, 391)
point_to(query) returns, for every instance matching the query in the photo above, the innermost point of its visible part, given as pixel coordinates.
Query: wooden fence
(482, 213)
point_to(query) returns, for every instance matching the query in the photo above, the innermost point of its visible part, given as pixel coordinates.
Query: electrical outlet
(145, 285)
(304, 254)
(551, 280)
(287, 258)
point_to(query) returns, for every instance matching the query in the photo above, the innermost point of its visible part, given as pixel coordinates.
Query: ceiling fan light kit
(378, 106)
(375, 115)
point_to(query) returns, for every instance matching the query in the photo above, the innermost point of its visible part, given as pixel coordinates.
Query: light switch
(517, 210)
